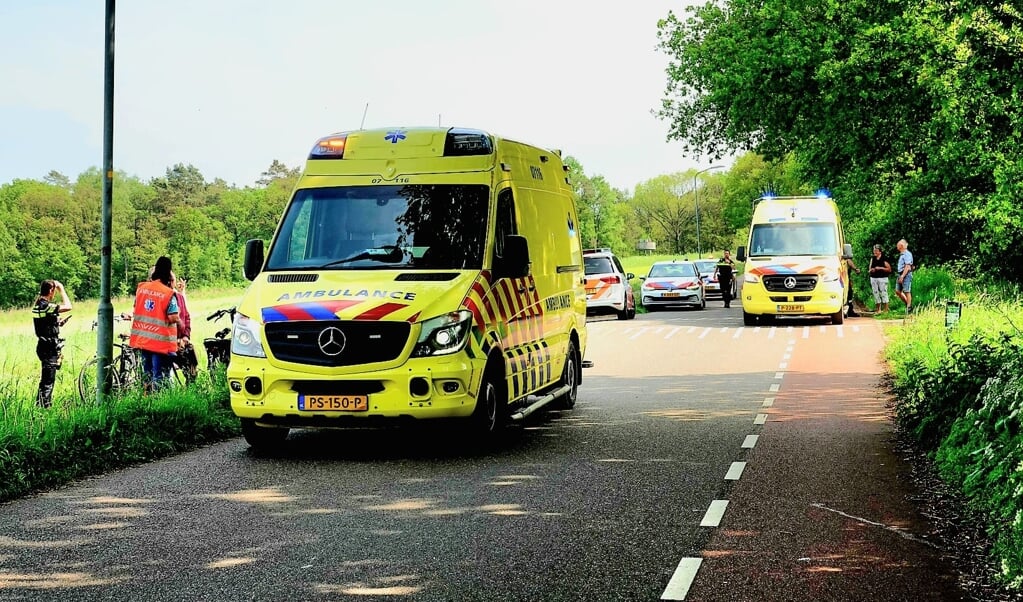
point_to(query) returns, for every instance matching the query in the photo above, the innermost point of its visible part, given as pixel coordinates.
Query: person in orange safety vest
(154, 331)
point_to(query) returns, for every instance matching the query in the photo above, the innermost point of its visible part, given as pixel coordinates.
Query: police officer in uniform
(724, 271)
(45, 318)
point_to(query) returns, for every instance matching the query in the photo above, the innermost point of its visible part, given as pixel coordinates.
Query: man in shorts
(904, 284)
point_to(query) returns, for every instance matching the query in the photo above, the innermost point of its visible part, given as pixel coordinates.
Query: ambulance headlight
(444, 334)
(246, 340)
(829, 275)
(750, 278)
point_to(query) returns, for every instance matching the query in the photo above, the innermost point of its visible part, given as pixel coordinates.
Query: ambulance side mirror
(847, 251)
(515, 262)
(253, 259)
(740, 253)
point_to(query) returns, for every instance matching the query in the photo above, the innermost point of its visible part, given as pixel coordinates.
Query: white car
(607, 285)
(673, 283)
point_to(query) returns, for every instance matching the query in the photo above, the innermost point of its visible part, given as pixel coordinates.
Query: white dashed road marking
(714, 514)
(705, 333)
(768, 402)
(760, 419)
(735, 471)
(672, 333)
(680, 582)
(750, 442)
(774, 388)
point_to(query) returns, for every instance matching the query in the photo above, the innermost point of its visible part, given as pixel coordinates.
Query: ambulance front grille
(334, 343)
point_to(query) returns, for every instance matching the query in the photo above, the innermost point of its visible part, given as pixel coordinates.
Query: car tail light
(610, 279)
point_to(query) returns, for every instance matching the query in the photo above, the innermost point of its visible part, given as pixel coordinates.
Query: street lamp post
(696, 201)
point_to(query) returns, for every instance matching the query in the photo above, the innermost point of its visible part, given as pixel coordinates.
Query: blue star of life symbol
(150, 305)
(394, 136)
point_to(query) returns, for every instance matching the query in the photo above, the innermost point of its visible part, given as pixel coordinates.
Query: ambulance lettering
(363, 293)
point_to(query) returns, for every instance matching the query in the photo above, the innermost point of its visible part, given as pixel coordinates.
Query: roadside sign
(953, 311)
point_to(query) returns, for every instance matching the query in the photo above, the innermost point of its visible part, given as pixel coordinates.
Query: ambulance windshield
(793, 238)
(432, 227)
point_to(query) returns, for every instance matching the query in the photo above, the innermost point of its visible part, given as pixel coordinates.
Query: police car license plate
(671, 294)
(333, 403)
(790, 308)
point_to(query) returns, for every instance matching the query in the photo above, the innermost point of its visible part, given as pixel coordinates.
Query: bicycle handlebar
(223, 312)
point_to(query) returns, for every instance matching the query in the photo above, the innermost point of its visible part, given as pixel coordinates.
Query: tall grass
(45, 448)
(960, 393)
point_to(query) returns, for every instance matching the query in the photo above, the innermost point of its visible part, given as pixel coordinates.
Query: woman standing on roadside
(879, 272)
(47, 325)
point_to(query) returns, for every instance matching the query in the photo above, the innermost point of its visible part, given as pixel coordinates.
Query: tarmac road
(673, 478)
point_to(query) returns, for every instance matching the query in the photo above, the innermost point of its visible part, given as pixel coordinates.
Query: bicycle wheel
(87, 379)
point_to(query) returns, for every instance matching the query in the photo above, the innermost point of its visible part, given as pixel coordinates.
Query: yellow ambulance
(416, 273)
(795, 260)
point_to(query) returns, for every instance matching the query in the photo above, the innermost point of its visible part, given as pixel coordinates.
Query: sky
(229, 86)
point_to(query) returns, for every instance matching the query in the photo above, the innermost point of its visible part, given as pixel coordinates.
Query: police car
(607, 285)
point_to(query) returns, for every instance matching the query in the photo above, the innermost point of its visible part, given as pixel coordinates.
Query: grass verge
(959, 393)
(42, 449)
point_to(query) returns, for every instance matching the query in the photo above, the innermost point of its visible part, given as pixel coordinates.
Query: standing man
(724, 271)
(47, 324)
(154, 324)
(879, 272)
(904, 283)
(851, 267)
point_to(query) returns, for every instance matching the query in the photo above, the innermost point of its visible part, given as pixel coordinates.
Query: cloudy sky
(231, 85)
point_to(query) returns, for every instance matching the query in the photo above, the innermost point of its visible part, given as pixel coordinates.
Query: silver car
(673, 283)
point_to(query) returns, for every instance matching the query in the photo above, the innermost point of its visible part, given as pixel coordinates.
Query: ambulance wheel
(488, 417)
(749, 319)
(570, 378)
(263, 438)
(838, 317)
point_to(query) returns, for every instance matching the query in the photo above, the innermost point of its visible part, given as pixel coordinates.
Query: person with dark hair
(880, 270)
(45, 318)
(724, 272)
(154, 324)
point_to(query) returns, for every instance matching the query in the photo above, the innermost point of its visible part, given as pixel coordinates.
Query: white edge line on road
(735, 471)
(714, 514)
(760, 419)
(783, 365)
(768, 402)
(779, 375)
(672, 333)
(682, 580)
(705, 332)
(750, 442)
(787, 356)
(774, 388)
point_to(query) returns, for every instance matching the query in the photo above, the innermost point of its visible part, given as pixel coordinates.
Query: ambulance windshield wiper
(386, 254)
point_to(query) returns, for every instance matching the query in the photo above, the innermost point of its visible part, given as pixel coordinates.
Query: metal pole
(105, 313)
(696, 201)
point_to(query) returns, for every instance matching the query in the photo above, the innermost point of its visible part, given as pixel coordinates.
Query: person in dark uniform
(47, 322)
(724, 271)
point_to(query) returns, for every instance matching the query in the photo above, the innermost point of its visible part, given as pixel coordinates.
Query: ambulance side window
(505, 222)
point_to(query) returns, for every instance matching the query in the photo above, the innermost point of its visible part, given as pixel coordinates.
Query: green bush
(983, 457)
(960, 393)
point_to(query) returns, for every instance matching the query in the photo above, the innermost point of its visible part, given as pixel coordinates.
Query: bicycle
(218, 347)
(126, 369)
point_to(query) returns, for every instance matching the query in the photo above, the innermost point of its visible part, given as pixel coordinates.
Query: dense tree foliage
(51, 228)
(908, 110)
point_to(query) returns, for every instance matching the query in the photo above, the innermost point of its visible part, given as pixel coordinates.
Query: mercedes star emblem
(331, 341)
(790, 283)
